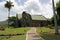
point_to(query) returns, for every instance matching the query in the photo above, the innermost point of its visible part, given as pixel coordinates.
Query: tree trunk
(8, 16)
(55, 20)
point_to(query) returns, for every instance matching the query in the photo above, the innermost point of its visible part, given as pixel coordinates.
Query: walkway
(32, 35)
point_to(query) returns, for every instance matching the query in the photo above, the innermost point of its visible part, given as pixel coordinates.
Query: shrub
(49, 26)
(2, 27)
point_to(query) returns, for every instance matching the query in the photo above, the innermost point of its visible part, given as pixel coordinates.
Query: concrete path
(32, 35)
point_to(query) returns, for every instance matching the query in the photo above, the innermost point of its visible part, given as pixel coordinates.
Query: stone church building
(26, 19)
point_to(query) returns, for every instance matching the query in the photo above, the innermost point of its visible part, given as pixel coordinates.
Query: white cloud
(3, 12)
(37, 7)
(34, 7)
(29, 5)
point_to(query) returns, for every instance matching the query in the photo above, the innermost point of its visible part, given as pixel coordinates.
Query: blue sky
(2, 0)
(20, 2)
(33, 7)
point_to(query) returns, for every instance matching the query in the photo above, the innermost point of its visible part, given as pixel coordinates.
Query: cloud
(37, 8)
(29, 5)
(3, 12)
(44, 1)
(33, 7)
(41, 7)
(20, 2)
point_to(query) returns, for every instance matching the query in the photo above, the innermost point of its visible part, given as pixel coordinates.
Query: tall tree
(58, 11)
(55, 20)
(9, 6)
(58, 8)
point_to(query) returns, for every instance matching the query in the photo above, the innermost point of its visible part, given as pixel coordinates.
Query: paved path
(32, 35)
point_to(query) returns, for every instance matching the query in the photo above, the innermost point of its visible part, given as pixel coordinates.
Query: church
(27, 20)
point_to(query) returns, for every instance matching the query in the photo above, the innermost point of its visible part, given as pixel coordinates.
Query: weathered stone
(26, 19)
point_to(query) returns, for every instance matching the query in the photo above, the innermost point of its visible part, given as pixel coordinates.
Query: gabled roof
(34, 17)
(38, 17)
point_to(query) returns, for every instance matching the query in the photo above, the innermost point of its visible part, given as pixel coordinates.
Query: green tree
(58, 11)
(52, 20)
(58, 8)
(57, 15)
(9, 6)
(12, 18)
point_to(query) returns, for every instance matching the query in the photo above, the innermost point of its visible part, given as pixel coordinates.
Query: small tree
(9, 6)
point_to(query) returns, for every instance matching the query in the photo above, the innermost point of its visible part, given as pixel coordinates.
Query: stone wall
(26, 19)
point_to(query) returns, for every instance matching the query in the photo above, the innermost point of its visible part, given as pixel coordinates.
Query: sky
(33, 7)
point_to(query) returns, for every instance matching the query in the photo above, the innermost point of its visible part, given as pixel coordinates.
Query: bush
(2, 27)
(50, 26)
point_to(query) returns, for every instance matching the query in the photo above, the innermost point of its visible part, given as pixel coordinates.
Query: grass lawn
(47, 33)
(20, 37)
(21, 30)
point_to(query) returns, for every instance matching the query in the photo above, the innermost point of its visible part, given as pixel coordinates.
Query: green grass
(14, 30)
(20, 37)
(47, 33)
(21, 30)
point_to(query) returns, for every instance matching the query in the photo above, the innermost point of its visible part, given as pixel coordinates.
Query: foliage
(58, 12)
(58, 8)
(13, 22)
(57, 15)
(52, 20)
(8, 4)
(2, 28)
(12, 18)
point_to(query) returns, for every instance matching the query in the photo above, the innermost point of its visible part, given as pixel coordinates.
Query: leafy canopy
(8, 4)
(58, 8)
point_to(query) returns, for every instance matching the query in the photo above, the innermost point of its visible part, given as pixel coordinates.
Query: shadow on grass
(7, 36)
(11, 34)
(4, 37)
(50, 36)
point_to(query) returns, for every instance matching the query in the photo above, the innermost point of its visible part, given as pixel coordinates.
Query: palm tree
(9, 6)
(55, 20)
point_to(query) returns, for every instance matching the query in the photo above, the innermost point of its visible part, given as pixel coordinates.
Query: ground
(14, 33)
(33, 35)
(47, 33)
(20, 33)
